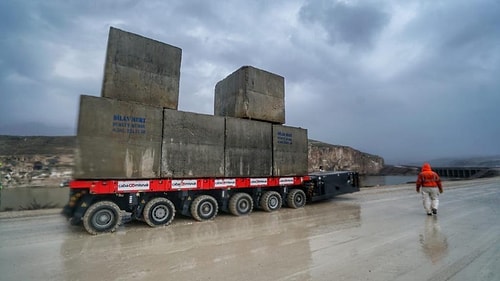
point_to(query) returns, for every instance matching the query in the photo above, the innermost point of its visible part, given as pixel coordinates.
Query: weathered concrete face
(253, 94)
(290, 151)
(117, 139)
(193, 145)
(248, 148)
(141, 70)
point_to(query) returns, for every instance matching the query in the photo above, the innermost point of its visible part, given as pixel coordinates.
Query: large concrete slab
(193, 145)
(248, 148)
(117, 139)
(251, 93)
(141, 70)
(290, 151)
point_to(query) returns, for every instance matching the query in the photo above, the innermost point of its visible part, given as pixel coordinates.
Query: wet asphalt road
(376, 234)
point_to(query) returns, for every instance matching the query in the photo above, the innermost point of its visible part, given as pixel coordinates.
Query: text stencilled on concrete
(285, 138)
(129, 124)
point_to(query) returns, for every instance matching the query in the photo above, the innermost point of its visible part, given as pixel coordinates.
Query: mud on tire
(240, 204)
(296, 199)
(159, 211)
(270, 201)
(204, 207)
(102, 216)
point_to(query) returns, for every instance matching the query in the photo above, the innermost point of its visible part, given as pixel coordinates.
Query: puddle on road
(265, 246)
(434, 243)
(28, 198)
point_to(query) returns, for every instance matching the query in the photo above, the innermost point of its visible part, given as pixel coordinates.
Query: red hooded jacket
(428, 178)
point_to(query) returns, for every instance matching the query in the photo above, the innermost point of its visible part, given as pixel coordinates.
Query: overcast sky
(405, 80)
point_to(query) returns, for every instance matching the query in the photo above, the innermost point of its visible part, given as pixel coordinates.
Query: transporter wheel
(240, 204)
(296, 199)
(270, 201)
(159, 211)
(204, 207)
(103, 216)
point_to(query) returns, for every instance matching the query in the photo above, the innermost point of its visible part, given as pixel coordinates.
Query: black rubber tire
(296, 198)
(270, 201)
(240, 204)
(204, 207)
(102, 216)
(159, 211)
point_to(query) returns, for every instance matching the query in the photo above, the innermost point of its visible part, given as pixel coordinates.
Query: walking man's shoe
(429, 214)
(434, 211)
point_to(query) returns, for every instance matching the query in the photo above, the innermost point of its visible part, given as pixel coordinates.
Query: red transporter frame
(100, 204)
(166, 185)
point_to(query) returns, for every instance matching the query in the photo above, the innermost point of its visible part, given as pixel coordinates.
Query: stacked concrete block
(117, 139)
(193, 145)
(290, 151)
(134, 131)
(251, 93)
(248, 148)
(142, 70)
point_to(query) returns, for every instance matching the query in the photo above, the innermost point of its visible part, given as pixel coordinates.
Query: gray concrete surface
(290, 151)
(143, 70)
(251, 93)
(376, 234)
(248, 148)
(193, 145)
(117, 139)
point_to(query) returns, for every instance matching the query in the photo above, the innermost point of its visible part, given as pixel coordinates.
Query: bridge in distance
(463, 172)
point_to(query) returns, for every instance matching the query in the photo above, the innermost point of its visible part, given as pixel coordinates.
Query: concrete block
(117, 139)
(193, 145)
(142, 70)
(290, 151)
(248, 148)
(251, 93)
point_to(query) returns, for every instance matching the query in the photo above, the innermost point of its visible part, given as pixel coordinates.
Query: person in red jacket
(429, 182)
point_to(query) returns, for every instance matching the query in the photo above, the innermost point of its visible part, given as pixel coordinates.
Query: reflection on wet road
(376, 234)
(433, 241)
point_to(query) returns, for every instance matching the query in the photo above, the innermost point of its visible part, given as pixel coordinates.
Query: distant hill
(17, 145)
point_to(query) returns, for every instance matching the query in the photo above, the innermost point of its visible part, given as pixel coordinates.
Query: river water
(369, 181)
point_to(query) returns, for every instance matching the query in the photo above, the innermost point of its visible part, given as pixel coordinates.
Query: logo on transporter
(258, 181)
(133, 185)
(184, 184)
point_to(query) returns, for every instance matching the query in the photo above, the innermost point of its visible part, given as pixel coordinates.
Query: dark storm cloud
(406, 80)
(454, 77)
(416, 87)
(354, 23)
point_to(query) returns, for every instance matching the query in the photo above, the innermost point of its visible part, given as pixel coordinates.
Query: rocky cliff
(48, 161)
(338, 158)
(35, 161)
